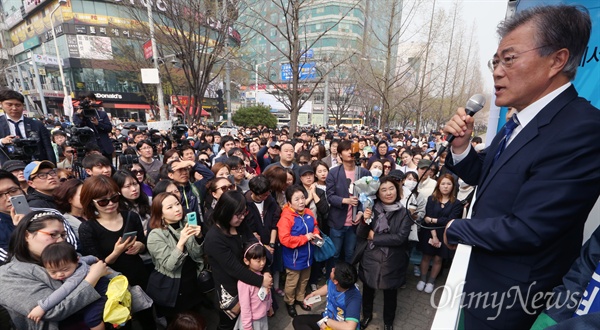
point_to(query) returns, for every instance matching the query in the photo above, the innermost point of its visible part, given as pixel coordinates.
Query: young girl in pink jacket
(255, 302)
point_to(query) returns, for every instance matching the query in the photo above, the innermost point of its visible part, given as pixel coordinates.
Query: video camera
(128, 159)
(88, 106)
(24, 148)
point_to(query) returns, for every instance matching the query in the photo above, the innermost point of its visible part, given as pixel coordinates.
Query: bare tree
(194, 33)
(291, 41)
(388, 77)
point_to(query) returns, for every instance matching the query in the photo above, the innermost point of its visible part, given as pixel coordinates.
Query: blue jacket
(292, 228)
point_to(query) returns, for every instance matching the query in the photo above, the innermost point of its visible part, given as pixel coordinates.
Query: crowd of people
(207, 221)
(247, 208)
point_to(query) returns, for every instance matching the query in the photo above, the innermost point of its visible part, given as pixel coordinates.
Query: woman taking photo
(442, 206)
(176, 251)
(384, 260)
(25, 281)
(223, 246)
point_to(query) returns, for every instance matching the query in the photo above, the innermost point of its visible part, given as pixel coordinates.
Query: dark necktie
(17, 129)
(508, 130)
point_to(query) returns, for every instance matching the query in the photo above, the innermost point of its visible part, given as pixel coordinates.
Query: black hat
(305, 169)
(396, 175)
(13, 165)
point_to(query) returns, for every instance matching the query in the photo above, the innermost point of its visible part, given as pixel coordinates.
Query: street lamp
(58, 57)
(256, 80)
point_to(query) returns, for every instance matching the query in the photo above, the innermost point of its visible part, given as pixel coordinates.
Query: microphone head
(475, 103)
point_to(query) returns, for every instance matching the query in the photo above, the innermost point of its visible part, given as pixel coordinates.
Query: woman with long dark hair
(442, 206)
(223, 246)
(134, 197)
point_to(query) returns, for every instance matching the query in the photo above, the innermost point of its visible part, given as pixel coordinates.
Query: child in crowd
(63, 264)
(255, 303)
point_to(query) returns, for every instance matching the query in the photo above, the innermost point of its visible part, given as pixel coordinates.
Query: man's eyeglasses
(70, 151)
(11, 192)
(302, 163)
(103, 202)
(44, 176)
(226, 188)
(238, 169)
(62, 235)
(508, 60)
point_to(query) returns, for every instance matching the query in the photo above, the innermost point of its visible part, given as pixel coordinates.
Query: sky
(487, 14)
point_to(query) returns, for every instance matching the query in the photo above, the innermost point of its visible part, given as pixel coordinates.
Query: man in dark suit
(13, 126)
(536, 186)
(100, 124)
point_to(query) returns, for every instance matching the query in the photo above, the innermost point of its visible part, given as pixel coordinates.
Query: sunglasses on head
(103, 202)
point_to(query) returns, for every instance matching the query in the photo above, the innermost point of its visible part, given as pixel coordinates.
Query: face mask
(410, 184)
(376, 173)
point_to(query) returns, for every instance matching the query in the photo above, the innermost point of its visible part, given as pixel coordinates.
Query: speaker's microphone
(474, 104)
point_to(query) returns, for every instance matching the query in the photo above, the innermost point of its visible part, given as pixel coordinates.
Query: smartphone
(20, 204)
(191, 219)
(318, 241)
(126, 235)
(312, 300)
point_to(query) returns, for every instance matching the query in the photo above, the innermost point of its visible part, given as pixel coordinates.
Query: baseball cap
(274, 145)
(32, 168)
(305, 169)
(13, 165)
(423, 163)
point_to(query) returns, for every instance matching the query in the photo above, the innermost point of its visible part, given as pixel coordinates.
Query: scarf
(382, 225)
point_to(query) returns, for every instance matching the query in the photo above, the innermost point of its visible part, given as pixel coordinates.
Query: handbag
(229, 304)
(163, 289)
(325, 251)
(205, 281)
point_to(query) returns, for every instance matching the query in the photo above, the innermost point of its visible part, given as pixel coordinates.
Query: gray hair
(558, 27)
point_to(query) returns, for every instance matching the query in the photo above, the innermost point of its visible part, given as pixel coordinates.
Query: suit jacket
(32, 128)
(101, 130)
(527, 221)
(337, 190)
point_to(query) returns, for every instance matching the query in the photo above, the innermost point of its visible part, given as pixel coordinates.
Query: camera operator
(99, 122)
(13, 126)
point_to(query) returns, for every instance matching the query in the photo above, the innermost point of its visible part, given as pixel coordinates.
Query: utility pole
(159, 90)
